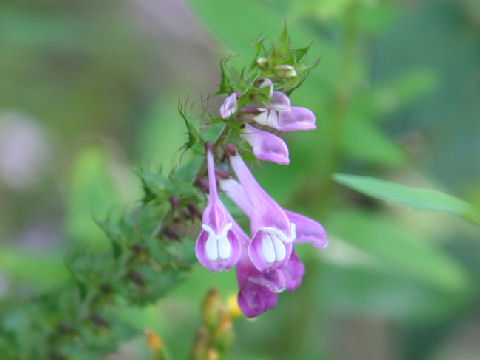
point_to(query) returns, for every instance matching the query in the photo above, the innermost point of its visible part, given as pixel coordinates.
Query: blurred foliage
(396, 96)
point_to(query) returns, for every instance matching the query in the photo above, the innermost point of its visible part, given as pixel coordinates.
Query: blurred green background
(89, 89)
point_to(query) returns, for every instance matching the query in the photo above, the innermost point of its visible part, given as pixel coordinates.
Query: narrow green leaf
(194, 136)
(226, 86)
(417, 198)
(397, 249)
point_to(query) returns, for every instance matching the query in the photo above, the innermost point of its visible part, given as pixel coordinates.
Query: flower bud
(233, 308)
(262, 62)
(211, 309)
(154, 342)
(212, 355)
(200, 346)
(224, 332)
(287, 71)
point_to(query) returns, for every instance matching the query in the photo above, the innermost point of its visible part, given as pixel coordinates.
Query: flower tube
(218, 245)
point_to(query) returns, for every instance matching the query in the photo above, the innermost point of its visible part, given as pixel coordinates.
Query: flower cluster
(266, 261)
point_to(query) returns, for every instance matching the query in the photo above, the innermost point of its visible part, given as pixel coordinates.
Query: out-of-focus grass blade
(417, 198)
(397, 249)
(382, 293)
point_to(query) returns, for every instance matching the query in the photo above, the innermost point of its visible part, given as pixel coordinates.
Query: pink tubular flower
(307, 230)
(266, 146)
(272, 232)
(218, 245)
(280, 115)
(297, 118)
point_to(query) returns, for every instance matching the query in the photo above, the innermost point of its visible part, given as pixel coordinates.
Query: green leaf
(226, 86)
(396, 249)
(189, 171)
(213, 132)
(382, 293)
(417, 198)
(194, 136)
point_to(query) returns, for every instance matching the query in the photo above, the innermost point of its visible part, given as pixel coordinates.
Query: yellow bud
(233, 308)
(200, 346)
(212, 355)
(154, 342)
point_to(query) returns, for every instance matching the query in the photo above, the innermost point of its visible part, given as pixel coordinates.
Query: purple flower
(297, 118)
(307, 230)
(229, 106)
(280, 115)
(266, 146)
(218, 245)
(272, 231)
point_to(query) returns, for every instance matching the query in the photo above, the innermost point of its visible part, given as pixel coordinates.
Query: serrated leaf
(154, 184)
(300, 53)
(417, 198)
(213, 132)
(188, 172)
(226, 86)
(193, 133)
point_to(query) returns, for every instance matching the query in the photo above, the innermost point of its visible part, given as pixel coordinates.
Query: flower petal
(236, 192)
(267, 118)
(266, 212)
(217, 253)
(299, 118)
(267, 146)
(229, 106)
(308, 230)
(279, 102)
(293, 272)
(254, 299)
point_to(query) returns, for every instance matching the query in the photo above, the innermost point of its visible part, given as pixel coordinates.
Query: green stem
(341, 103)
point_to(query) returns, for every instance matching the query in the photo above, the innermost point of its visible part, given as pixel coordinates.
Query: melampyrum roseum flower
(307, 230)
(272, 231)
(280, 115)
(218, 246)
(258, 289)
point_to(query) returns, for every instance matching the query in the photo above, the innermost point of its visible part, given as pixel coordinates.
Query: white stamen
(268, 249)
(211, 248)
(274, 231)
(218, 246)
(224, 248)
